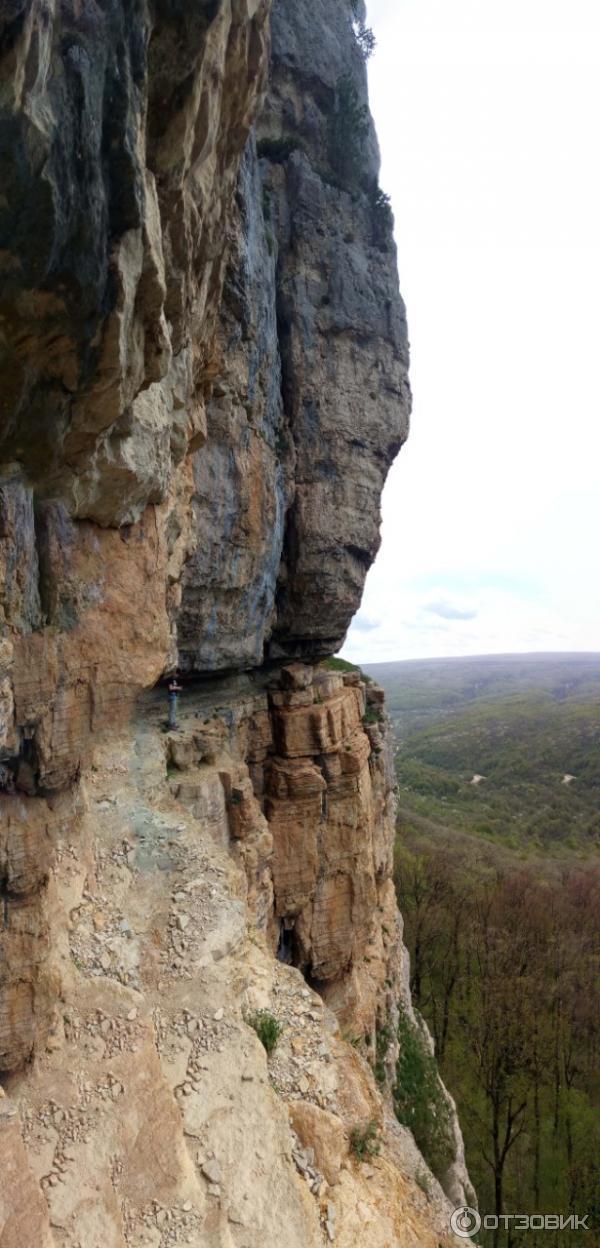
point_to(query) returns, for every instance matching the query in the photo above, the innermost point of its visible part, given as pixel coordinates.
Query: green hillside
(523, 724)
(499, 885)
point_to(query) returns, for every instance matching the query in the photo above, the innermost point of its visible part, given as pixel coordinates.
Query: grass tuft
(364, 1141)
(267, 1028)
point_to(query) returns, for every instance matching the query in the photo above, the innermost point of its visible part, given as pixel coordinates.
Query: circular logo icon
(465, 1222)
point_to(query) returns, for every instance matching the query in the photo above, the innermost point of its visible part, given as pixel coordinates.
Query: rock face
(122, 130)
(203, 379)
(312, 404)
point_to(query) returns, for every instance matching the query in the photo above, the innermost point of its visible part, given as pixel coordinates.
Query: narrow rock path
(154, 1118)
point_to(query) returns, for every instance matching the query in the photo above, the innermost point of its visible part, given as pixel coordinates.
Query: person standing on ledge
(174, 690)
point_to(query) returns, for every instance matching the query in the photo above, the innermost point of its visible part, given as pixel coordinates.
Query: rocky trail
(155, 1117)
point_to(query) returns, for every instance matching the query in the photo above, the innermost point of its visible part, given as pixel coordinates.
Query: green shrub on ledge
(373, 716)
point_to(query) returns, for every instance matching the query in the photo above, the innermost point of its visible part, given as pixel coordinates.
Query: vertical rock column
(330, 810)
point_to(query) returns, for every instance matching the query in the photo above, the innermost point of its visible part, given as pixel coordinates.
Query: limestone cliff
(203, 368)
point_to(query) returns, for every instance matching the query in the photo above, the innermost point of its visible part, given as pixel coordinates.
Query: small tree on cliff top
(365, 39)
(363, 34)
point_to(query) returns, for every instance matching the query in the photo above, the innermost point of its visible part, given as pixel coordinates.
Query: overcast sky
(488, 115)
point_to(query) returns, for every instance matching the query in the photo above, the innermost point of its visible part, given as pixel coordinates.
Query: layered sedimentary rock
(203, 376)
(290, 780)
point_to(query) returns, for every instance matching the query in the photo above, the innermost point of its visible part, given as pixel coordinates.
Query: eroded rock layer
(203, 377)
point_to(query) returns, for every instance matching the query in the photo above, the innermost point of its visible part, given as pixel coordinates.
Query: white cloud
(504, 623)
(450, 611)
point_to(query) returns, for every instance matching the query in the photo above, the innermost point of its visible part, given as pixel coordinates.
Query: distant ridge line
(533, 655)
